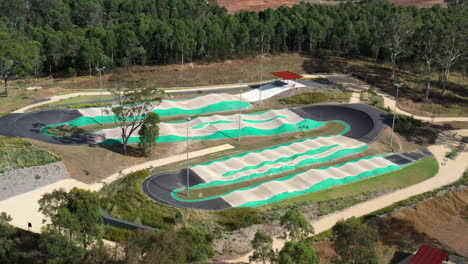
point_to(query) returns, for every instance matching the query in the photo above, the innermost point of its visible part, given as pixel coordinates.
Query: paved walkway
(57, 98)
(355, 98)
(24, 208)
(447, 174)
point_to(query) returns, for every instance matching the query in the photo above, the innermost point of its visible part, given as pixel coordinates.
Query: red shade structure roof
(428, 255)
(287, 75)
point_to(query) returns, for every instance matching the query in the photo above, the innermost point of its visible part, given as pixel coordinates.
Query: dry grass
(18, 153)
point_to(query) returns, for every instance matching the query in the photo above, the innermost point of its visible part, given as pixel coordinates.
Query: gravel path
(27, 179)
(23, 208)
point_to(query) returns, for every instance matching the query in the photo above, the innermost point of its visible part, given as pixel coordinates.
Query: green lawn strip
(18, 153)
(315, 97)
(415, 173)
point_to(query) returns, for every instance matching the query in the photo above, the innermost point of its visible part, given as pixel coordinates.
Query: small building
(429, 255)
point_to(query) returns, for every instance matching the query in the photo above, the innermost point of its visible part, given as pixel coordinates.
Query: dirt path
(448, 173)
(355, 98)
(24, 208)
(357, 86)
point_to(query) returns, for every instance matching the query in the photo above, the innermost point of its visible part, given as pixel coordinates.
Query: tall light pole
(262, 56)
(398, 86)
(100, 84)
(188, 165)
(240, 108)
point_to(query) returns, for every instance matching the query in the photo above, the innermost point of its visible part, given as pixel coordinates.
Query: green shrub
(198, 244)
(453, 153)
(117, 234)
(235, 218)
(125, 199)
(88, 105)
(18, 153)
(406, 124)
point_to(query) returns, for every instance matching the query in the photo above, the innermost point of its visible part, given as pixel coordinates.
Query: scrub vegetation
(18, 153)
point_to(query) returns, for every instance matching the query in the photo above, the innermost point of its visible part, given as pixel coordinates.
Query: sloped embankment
(440, 221)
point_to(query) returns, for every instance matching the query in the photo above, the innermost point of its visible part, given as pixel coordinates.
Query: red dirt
(234, 6)
(418, 3)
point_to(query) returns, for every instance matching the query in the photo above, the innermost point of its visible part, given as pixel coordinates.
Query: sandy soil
(440, 221)
(27, 179)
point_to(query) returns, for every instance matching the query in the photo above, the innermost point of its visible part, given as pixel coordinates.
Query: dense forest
(48, 37)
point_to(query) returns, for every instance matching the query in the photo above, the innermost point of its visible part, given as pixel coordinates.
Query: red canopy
(287, 75)
(428, 255)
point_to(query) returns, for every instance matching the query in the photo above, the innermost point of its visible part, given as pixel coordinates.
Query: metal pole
(261, 79)
(188, 165)
(100, 84)
(240, 109)
(398, 85)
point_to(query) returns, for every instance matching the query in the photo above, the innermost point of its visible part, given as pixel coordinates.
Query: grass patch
(453, 153)
(16, 96)
(316, 97)
(18, 153)
(371, 97)
(407, 124)
(80, 99)
(418, 172)
(125, 199)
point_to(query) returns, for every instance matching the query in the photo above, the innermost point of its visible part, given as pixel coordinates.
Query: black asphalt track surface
(29, 125)
(159, 187)
(366, 123)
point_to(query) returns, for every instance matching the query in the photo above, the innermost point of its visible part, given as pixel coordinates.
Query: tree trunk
(6, 85)
(445, 80)
(393, 57)
(428, 82)
(125, 145)
(90, 70)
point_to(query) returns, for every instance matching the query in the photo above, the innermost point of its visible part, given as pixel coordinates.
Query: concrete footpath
(24, 207)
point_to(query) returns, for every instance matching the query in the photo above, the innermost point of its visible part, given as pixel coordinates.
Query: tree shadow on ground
(323, 65)
(117, 147)
(401, 234)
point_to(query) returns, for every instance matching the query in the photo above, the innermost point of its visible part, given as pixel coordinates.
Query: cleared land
(235, 6)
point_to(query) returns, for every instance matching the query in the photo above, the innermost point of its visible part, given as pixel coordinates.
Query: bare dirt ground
(440, 222)
(234, 6)
(418, 3)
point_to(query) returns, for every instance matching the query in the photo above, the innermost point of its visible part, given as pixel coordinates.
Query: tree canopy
(76, 36)
(355, 242)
